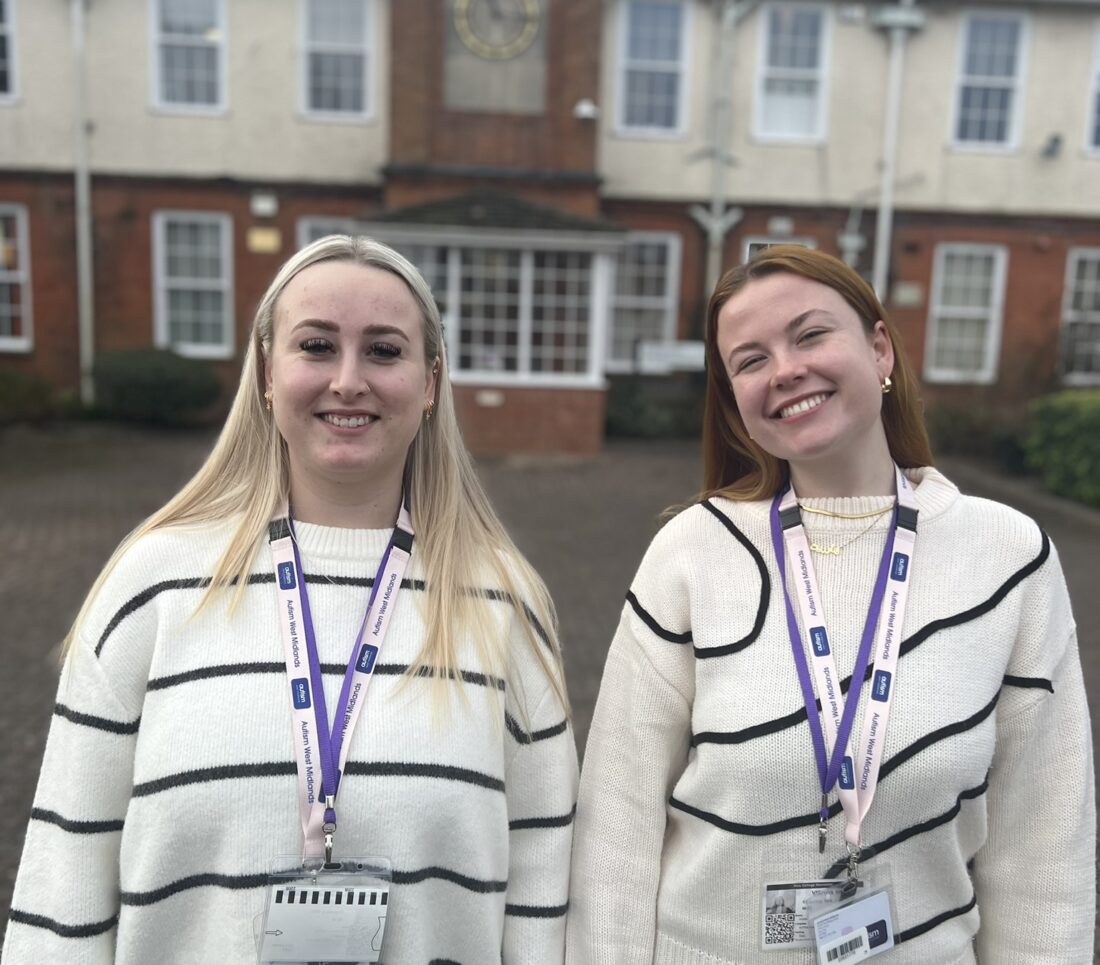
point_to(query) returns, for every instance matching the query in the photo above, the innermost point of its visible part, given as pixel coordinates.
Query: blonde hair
(246, 477)
(734, 465)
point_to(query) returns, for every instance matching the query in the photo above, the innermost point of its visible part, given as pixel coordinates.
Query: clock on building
(497, 29)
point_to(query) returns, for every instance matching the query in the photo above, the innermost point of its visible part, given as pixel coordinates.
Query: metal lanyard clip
(852, 884)
(822, 831)
(329, 827)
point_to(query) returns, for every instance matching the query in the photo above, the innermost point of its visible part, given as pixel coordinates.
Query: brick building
(569, 175)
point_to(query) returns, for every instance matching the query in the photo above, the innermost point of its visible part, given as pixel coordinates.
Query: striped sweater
(700, 783)
(168, 791)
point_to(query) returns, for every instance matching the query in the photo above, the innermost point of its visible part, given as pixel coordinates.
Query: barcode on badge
(845, 952)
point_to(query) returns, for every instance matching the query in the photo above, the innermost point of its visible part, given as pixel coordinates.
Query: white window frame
(1019, 87)
(333, 225)
(669, 303)
(679, 130)
(1069, 315)
(987, 375)
(749, 240)
(11, 30)
(221, 43)
(366, 46)
(21, 277)
(763, 71)
(1092, 118)
(162, 336)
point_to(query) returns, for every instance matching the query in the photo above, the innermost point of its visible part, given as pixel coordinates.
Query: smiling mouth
(804, 405)
(347, 422)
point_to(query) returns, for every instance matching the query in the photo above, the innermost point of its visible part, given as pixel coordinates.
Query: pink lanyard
(316, 747)
(856, 779)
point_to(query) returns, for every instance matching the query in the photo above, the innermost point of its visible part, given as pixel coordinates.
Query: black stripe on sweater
(796, 717)
(232, 882)
(335, 669)
(917, 930)
(74, 827)
(97, 723)
(522, 737)
(65, 931)
(913, 830)
(446, 874)
(648, 619)
(559, 821)
(536, 911)
(1029, 683)
(230, 772)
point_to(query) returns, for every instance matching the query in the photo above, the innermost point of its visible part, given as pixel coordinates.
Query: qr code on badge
(779, 929)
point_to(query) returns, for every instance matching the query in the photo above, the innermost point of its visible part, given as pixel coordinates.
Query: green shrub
(153, 385)
(654, 408)
(975, 430)
(1064, 444)
(24, 397)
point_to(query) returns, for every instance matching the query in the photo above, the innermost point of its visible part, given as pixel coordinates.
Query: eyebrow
(376, 328)
(790, 327)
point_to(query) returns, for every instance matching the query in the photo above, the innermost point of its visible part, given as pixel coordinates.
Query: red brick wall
(531, 420)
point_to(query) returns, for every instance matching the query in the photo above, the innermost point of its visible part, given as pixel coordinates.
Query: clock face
(497, 29)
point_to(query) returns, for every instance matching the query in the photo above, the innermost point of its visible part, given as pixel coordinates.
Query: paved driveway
(71, 492)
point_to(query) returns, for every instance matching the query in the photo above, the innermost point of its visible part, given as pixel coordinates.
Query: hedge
(153, 385)
(1064, 444)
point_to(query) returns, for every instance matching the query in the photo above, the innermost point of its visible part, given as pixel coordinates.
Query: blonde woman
(214, 726)
(836, 679)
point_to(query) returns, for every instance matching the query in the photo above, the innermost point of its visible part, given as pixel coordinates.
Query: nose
(349, 378)
(787, 369)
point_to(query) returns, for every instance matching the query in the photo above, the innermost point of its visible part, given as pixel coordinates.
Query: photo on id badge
(334, 915)
(813, 912)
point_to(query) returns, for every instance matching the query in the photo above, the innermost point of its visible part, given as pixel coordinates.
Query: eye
(315, 346)
(384, 350)
(747, 363)
(810, 334)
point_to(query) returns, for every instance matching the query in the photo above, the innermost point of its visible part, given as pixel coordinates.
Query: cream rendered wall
(36, 129)
(263, 133)
(932, 174)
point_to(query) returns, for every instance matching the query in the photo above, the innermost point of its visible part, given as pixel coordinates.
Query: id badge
(335, 914)
(788, 910)
(856, 931)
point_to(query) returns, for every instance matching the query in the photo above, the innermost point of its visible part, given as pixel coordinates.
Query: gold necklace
(827, 512)
(835, 550)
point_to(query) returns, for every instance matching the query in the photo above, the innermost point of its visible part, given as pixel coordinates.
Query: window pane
(652, 98)
(991, 48)
(794, 38)
(984, 114)
(190, 74)
(960, 344)
(336, 82)
(790, 106)
(1085, 296)
(10, 310)
(9, 248)
(5, 70)
(653, 31)
(1096, 118)
(431, 262)
(1082, 348)
(489, 310)
(194, 18)
(336, 21)
(968, 281)
(561, 300)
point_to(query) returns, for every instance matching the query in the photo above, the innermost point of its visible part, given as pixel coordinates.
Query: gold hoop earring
(429, 410)
(267, 399)
(887, 385)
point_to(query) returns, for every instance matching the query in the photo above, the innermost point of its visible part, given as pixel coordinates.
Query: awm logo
(900, 569)
(365, 664)
(286, 576)
(881, 688)
(820, 641)
(299, 692)
(847, 774)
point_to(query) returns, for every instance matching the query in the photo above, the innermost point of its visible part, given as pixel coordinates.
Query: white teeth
(345, 422)
(804, 406)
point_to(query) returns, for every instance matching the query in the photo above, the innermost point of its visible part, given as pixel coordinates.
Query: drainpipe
(717, 220)
(83, 200)
(899, 20)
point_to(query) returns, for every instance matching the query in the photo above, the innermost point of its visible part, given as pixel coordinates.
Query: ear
(883, 349)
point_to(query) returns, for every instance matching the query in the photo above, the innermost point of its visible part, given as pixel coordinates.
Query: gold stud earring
(887, 385)
(267, 398)
(429, 409)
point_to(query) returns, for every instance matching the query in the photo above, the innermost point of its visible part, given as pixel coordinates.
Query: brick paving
(71, 492)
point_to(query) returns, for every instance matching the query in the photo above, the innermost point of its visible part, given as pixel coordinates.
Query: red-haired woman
(843, 712)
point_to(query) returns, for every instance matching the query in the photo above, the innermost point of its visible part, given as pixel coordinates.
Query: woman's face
(806, 376)
(348, 376)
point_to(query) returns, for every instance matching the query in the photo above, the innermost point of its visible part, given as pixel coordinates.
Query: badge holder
(862, 926)
(334, 913)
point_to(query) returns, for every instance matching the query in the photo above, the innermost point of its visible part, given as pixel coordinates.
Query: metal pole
(83, 202)
(899, 20)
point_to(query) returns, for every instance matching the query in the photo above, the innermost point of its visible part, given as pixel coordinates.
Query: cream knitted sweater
(168, 790)
(699, 778)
